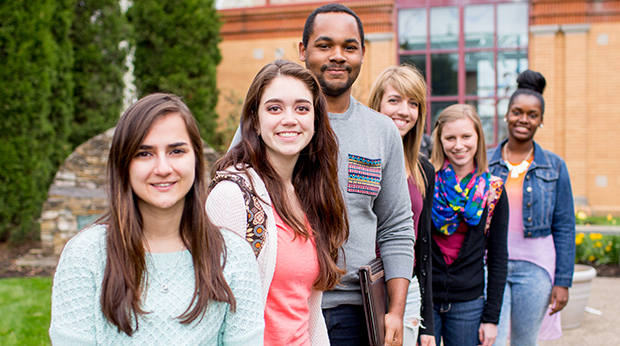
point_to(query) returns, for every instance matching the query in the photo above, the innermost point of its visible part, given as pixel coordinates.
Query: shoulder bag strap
(256, 218)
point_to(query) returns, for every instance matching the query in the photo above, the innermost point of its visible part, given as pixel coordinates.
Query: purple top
(416, 204)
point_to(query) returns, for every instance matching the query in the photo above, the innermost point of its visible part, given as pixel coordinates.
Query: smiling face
(460, 143)
(163, 170)
(334, 53)
(524, 117)
(286, 119)
(402, 109)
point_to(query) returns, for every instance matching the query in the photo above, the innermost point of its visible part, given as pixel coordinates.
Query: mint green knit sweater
(76, 309)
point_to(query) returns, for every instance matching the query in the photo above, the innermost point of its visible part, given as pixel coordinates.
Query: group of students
(314, 185)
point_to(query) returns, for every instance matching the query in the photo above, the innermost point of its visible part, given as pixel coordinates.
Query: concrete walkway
(596, 330)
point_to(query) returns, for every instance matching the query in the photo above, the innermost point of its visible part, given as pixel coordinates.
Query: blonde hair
(409, 82)
(450, 114)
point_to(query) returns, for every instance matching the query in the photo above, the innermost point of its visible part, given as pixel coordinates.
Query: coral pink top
(540, 251)
(297, 267)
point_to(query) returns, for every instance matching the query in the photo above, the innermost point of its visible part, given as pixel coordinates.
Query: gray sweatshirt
(372, 177)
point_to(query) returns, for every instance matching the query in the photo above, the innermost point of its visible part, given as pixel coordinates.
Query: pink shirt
(540, 251)
(287, 312)
(450, 245)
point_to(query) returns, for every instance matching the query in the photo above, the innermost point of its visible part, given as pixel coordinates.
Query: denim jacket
(547, 205)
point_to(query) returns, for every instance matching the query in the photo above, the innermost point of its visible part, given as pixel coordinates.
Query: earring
(505, 120)
(541, 126)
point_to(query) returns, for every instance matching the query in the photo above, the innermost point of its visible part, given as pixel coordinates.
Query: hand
(487, 334)
(558, 299)
(397, 296)
(393, 329)
(427, 340)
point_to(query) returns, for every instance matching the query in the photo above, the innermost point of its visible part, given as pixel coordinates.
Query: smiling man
(371, 175)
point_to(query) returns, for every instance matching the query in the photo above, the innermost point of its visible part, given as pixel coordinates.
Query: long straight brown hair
(409, 82)
(315, 176)
(124, 279)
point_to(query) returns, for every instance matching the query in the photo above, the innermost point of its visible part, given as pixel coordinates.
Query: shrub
(36, 89)
(98, 68)
(176, 51)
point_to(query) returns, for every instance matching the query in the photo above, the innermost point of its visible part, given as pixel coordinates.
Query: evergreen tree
(96, 32)
(176, 51)
(35, 89)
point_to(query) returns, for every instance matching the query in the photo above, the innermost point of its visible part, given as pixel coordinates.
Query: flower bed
(597, 249)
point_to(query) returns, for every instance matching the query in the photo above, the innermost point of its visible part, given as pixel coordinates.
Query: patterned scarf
(454, 201)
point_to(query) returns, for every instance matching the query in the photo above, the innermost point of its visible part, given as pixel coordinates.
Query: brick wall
(582, 118)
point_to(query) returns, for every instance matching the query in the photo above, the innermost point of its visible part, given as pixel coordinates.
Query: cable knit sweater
(226, 208)
(76, 308)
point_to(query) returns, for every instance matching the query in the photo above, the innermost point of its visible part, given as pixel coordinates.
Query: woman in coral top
(541, 231)
(288, 154)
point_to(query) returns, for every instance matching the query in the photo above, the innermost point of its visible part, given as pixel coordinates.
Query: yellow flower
(609, 217)
(578, 241)
(607, 248)
(581, 215)
(591, 258)
(596, 236)
(598, 244)
(580, 235)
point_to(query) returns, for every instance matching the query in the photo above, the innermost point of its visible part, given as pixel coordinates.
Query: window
(468, 53)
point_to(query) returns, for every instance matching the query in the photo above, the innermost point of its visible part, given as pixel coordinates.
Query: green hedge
(176, 51)
(61, 83)
(98, 69)
(35, 89)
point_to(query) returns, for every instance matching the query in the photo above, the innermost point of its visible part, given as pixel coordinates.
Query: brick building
(470, 52)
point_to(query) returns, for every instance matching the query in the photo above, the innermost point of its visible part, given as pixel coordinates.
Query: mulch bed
(607, 270)
(10, 252)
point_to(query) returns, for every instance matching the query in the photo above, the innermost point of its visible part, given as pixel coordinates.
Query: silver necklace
(516, 170)
(164, 285)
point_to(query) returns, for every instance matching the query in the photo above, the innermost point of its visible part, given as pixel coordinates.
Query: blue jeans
(346, 325)
(458, 323)
(526, 298)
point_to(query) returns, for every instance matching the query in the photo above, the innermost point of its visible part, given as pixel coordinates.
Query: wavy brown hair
(315, 176)
(409, 82)
(125, 273)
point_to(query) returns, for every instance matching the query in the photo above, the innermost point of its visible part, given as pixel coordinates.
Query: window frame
(461, 51)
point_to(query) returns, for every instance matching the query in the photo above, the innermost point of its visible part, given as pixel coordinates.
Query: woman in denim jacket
(541, 231)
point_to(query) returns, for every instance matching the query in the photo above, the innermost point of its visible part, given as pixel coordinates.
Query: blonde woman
(400, 93)
(463, 316)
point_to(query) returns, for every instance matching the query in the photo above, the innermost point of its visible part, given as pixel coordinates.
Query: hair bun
(529, 79)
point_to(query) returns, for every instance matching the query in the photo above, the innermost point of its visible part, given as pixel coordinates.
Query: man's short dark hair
(329, 8)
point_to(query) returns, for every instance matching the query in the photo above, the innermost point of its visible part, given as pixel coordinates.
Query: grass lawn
(25, 311)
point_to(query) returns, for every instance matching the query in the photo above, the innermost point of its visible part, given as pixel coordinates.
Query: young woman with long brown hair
(155, 269)
(400, 93)
(288, 154)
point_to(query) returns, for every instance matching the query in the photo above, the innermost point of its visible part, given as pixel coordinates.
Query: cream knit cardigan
(226, 208)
